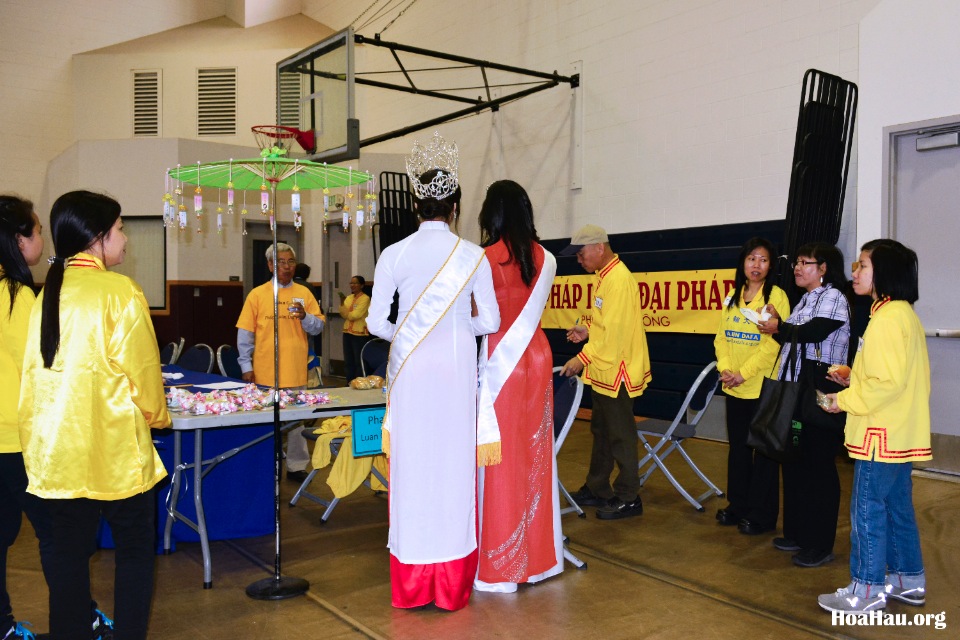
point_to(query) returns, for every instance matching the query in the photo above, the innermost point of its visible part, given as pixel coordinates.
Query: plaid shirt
(822, 302)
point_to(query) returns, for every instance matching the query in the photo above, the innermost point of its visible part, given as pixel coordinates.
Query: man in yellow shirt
(300, 316)
(615, 363)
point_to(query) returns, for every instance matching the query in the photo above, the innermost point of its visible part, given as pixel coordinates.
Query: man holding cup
(300, 317)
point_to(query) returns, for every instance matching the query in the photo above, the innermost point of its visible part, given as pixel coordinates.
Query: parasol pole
(278, 587)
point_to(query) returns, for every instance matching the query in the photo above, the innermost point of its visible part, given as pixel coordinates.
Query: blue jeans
(885, 542)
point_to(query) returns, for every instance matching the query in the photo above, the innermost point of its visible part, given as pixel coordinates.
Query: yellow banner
(675, 301)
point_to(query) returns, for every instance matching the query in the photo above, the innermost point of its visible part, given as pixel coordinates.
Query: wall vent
(217, 101)
(289, 102)
(146, 103)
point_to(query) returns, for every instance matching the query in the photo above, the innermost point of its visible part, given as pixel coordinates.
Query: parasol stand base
(277, 588)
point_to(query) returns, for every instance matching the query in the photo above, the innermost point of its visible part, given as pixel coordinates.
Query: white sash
(428, 310)
(495, 370)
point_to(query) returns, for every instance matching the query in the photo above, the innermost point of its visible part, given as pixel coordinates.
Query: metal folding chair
(199, 357)
(373, 356)
(168, 354)
(330, 505)
(671, 435)
(227, 362)
(566, 402)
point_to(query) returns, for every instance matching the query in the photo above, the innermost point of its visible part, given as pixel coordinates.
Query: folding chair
(227, 362)
(567, 393)
(373, 356)
(671, 435)
(168, 353)
(330, 505)
(566, 402)
(179, 350)
(199, 357)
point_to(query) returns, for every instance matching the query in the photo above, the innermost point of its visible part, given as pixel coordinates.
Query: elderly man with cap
(616, 365)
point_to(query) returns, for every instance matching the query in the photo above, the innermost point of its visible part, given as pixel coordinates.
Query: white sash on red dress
(495, 370)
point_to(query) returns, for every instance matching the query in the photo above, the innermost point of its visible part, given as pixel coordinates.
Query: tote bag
(773, 430)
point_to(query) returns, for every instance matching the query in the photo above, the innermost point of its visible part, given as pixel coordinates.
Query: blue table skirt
(238, 493)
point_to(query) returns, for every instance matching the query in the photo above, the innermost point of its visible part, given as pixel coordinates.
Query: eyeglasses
(287, 263)
(803, 263)
(855, 266)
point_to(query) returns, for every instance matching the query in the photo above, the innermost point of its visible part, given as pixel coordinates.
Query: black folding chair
(199, 357)
(373, 357)
(227, 362)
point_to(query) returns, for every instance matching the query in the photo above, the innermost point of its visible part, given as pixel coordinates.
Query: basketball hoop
(275, 135)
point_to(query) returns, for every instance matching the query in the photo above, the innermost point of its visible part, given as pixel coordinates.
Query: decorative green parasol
(271, 172)
(278, 172)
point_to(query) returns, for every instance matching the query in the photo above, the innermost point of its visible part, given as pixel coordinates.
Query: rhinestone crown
(437, 154)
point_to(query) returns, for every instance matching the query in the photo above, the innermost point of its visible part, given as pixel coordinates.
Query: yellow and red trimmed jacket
(888, 402)
(616, 352)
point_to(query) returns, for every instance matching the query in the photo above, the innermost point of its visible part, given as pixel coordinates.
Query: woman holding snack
(887, 429)
(820, 322)
(744, 357)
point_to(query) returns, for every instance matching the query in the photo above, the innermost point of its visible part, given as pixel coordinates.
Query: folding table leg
(198, 504)
(174, 492)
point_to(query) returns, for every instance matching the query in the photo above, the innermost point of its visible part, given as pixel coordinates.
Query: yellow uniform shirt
(616, 352)
(888, 402)
(740, 346)
(257, 318)
(354, 310)
(13, 338)
(85, 422)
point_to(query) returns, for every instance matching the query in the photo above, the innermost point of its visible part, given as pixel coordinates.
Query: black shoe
(751, 528)
(586, 498)
(297, 476)
(727, 518)
(785, 544)
(618, 509)
(812, 558)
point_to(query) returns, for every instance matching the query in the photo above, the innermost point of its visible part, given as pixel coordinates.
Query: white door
(924, 214)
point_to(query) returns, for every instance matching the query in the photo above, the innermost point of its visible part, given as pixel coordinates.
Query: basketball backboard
(315, 92)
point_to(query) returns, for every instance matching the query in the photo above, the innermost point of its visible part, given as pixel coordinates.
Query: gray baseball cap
(589, 234)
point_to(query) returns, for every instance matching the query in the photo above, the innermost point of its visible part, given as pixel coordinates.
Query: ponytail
(50, 318)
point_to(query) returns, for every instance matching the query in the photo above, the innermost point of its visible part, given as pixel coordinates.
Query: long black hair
(16, 218)
(507, 215)
(830, 256)
(78, 219)
(740, 280)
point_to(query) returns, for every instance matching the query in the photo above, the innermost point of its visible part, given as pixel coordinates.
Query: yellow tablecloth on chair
(348, 473)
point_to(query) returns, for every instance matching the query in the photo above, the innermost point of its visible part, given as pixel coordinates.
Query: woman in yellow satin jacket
(91, 393)
(21, 246)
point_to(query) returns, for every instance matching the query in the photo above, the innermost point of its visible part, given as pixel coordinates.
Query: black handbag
(773, 431)
(813, 375)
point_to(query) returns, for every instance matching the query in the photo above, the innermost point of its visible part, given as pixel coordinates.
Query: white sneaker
(916, 596)
(845, 601)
